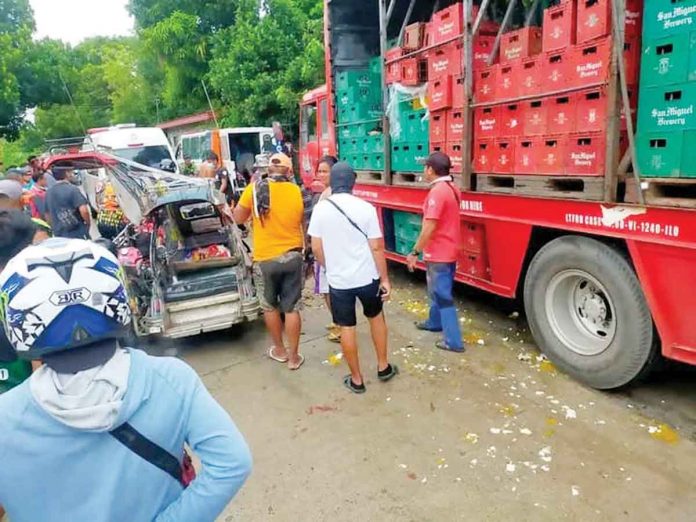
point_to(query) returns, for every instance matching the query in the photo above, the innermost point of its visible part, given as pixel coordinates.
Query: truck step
(569, 187)
(664, 192)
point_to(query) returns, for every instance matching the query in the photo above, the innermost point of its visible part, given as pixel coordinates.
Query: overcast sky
(74, 20)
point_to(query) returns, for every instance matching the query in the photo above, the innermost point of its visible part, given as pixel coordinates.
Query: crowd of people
(118, 420)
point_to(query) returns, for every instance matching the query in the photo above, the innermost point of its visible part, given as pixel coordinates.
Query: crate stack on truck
(358, 115)
(667, 111)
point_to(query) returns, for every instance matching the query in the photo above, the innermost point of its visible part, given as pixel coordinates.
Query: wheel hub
(580, 312)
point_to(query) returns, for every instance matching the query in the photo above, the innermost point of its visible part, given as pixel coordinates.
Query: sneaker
(425, 327)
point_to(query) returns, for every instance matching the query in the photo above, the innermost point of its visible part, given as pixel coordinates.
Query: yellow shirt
(281, 230)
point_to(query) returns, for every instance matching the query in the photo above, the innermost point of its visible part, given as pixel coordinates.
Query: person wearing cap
(67, 209)
(99, 432)
(276, 207)
(348, 242)
(11, 194)
(439, 243)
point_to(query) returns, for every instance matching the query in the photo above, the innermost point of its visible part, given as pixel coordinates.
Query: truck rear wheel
(588, 314)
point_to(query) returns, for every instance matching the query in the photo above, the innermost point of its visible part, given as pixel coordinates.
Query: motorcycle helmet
(62, 295)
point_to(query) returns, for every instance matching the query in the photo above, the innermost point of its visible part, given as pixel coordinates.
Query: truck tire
(588, 314)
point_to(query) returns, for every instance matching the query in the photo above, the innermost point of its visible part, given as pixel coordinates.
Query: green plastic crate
(688, 159)
(356, 78)
(404, 219)
(358, 95)
(359, 113)
(376, 67)
(375, 143)
(403, 247)
(668, 61)
(660, 154)
(349, 146)
(376, 162)
(414, 128)
(668, 17)
(406, 156)
(667, 108)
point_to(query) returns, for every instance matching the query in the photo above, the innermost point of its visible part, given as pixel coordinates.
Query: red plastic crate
(561, 114)
(591, 109)
(551, 155)
(507, 84)
(555, 71)
(485, 87)
(440, 146)
(393, 54)
(458, 94)
(394, 72)
(526, 155)
(634, 18)
(438, 126)
(473, 237)
(594, 20)
(482, 49)
(484, 156)
(455, 125)
(535, 117)
(413, 36)
(447, 23)
(632, 54)
(585, 154)
(511, 120)
(590, 64)
(486, 122)
(474, 265)
(520, 44)
(504, 156)
(410, 72)
(530, 76)
(445, 60)
(559, 26)
(455, 152)
(440, 93)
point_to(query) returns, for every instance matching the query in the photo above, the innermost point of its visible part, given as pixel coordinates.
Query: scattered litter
(510, 467)
(471, 438)
(458, 479)
(525, 431)
(575, 491)
(491, 451)
(570, 413)
(664, 433)
(514, 315)
(524, 356)
(335, 359)
(320, 408)
(600, 422)
(545, 468)
(481, 342)
(473, 462)
(495, 431)
(403, 466)
(545, 453)
(506, 339)
(539, 393)
(425, 479)
(412, 475)
(388, 399)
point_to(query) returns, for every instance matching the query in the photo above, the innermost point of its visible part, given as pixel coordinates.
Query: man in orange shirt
(275, 204)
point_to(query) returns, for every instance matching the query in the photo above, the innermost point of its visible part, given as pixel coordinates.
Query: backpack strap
(148, 450)
(355, 225)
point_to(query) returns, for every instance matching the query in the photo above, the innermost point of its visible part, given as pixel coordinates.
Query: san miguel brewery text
(583, 159)
(589, 70)
(672, 115)
(677, 17)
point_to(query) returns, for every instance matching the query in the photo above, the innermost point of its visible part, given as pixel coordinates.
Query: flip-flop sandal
(348, 383)
(424, 327)
(302, 359)
(335, 338)
(275, 357)
(393, 372)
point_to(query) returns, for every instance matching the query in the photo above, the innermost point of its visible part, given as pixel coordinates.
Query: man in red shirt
(439, 243)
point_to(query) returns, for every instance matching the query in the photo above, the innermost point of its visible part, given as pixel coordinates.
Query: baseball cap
(281, 160)
(11, 189)
(439, 161)
(342, 178)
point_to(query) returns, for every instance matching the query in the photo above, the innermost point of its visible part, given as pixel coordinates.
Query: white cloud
(74, 20)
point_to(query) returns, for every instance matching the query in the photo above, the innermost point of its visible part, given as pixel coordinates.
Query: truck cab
(317, 136)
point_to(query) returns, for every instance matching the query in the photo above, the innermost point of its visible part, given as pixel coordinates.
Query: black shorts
(283, 280)
(343, 303)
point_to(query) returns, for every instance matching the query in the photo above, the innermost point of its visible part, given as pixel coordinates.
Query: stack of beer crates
(446, 79)
(667, 102)
(406, 65)
(359, 112)
(543, 108)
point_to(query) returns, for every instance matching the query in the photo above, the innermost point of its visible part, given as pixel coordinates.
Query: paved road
(495, 434)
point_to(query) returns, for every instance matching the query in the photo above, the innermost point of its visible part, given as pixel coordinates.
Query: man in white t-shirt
(347, 240)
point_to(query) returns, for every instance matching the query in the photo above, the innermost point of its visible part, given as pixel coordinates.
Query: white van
(145, 145)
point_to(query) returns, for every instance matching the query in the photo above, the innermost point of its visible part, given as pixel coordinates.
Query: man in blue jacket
(98, 432)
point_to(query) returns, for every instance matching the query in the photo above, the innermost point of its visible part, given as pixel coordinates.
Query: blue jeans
(443, 314)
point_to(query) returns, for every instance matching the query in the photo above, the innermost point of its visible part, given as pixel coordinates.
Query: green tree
(213, 14)
(261, 66)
